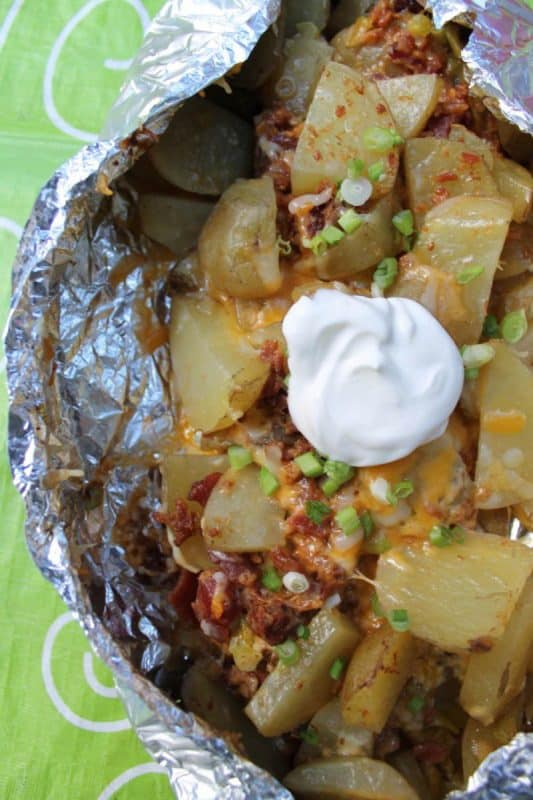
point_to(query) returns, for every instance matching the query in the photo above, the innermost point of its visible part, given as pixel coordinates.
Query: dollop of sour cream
(371, 379)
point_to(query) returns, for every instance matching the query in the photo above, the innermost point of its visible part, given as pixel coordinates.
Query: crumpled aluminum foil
(89, 405)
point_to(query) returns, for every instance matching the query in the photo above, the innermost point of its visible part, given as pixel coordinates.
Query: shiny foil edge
(499, 53)
(198, 763)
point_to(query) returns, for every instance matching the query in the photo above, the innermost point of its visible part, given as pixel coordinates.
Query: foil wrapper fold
(90, 404)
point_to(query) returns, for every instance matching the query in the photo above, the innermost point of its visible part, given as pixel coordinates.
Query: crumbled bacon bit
(443, 177)
(471, 158)
(182, 521)
(268, 616)
(381, 108)
(312, 553)
(201, 490)
(236, 566)
(340, 111)
(215, 606)
(183, 593)
(452, 108)
(283, 561)
(273, 355)
(246, 683)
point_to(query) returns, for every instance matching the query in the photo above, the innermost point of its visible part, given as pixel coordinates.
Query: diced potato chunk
(459, 597)
(349, 779)
(290, 695)
(310, 11)
(204, 149)
(436, 169)
(461, 233)
(472, 143)
(517, 254)
(378, 670)
(173, 221)
(239, 517)
(516, 184)
(237, 248)
(216, 373)
(345, 105)
(504, 469)
(493, 679)
(337, 737)
(411, 100)
(305, 56)
(479, 740)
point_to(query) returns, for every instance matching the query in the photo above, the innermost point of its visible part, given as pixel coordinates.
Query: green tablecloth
(63, 732)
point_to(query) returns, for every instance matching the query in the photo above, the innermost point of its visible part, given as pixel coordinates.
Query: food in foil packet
(351, 347)
(307, 489)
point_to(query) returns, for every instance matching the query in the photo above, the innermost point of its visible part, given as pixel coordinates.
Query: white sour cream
(370, 379)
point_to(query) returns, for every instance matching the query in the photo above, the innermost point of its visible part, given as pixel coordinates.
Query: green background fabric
(63, 733)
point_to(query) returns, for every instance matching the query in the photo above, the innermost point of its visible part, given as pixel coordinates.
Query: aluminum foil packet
(89, 399)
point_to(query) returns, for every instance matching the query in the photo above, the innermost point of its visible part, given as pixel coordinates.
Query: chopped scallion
(443, 536)
(309, 735)
(350, 221)
(347, 520)
(514, 326)
(337, 668)
(403, 221)
(303, 632)
(338, 473)
(416, 704)
(469, 274)
(268, 481)
(331, 234)
(399, 620)
(355, 167)
(317, 511)
(288, 652)
(376, 170)
(477, 355)
(491, 328)
(381, 139)
(378, 544)
(310, 465)
(399, 491)
(471, 373)
(367, 522)
(385, 273)
(376, 606)
(271, 580)
(239, 457)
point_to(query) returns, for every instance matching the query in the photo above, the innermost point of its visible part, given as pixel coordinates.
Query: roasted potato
(349, 779)
(516, 184)
(480, 740)
(411, 100)
(305, 56)
(173, 221)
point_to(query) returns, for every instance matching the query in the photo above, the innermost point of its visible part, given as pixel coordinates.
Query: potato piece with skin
(365, 247)
(458, 597)
(305, 56)
(376, 675)
(290, 695)
(493, 679)
(516, 184)
(461, 233)
(173, 221)
(239, 517)
(504, 468)
(437, 169)
(479, 740)
(345, 105)
(411, 100)
(349, 779)
(216, 373)
(237, 249)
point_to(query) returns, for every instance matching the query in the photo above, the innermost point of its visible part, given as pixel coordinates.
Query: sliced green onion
(491, 328)
(331, 234)
(284, 246)
(469, 274)
(399, 620)
(288, 652)
(337, 473)
(416, 704)
(317, 511)
(317, 245)
(268, 481)
(376, 606)
(239, 457)
(350, 221)
(477, 355)
(403, 221)
(385, 273)
(367, 522)
(303, 632)
(309, 735)
(471, 373)
(355, 167)
(310, 465)
(271, 579)
(337, 668)
(443, 536)
(376, 170)
(378, 544)
(356, 192)
(347, 520)
(514, 326)
(381, 139)
(399, 491)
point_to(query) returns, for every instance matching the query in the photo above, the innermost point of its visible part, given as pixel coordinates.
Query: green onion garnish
(376, 606)
(239, 457)
(309, 735)
(268, 481)
(514, 326)
(399, 491)
(347, 520)
(469, 274)
(303, 632)
(399, 620)
(471, 373)
(367, 522)
(491, 328)
(317, 511)
(337, 668)
(376, 170)
(477, 355)
(355, 167)
(350, 221)
(385, 273)
(381, 139)
(310, 465)
(284, 246)
(378, 544)
(337, 474)
(288, 652)
(416, 704)
(443, 536)
(331, 234)
(271, 580)
(317, 245)
(403, 221)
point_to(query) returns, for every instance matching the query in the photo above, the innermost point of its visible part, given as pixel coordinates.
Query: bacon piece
(183, 593)
(182, 521)
(311, 552)
(268, 615)
(200, 490)
(216, 605)
(237, 568)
